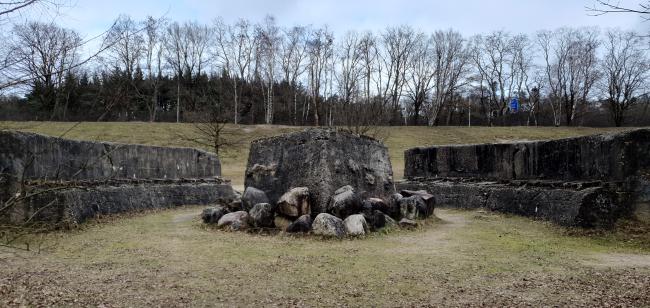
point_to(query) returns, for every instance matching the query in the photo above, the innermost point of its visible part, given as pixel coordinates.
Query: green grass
(168, 258)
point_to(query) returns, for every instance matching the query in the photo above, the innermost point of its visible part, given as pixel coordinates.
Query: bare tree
(153, 54)
(8, 9)
(450, 67)
(294, 53)
(209, 130)
(187, 52)
(601, 7)
(43, 54)
(420, 75)
(319, 53)
(349, 73)
(268, 39)
(397, 46)
(571, 62)
(235, 52)
(626, 69)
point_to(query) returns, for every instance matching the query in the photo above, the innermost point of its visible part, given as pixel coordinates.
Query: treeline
(249, 73)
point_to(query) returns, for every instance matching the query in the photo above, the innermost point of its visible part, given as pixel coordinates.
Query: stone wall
(608, 157)
(582, 204)
(322, 160)
(50, 158)
(73, 204)
(69, 181)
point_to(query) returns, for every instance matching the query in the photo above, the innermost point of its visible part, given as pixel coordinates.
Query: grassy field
(461, 258)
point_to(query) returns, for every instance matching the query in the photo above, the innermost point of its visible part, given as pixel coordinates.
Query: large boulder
(424, 210)
(253, 196)
(301, 225)
(234, 221)
(356, 225)
(295, 202)
(376, 219)
(322, 160)
(328, 225)
(345, 202)
(393, 207)
(212, 214)
(262, 215)
(410, 207)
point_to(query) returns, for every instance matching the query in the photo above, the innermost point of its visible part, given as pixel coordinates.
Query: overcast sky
(467, 16)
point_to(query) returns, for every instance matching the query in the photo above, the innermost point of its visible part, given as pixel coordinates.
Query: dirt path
(185, 217)
(620, 260)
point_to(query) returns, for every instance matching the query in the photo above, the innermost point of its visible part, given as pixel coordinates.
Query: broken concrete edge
(331, 130)
(116, 144)
(606, 136)
(70, 206)
(609, 156)
(36, 156)
(588, 207)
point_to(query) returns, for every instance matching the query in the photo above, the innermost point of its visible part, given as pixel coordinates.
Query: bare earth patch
(620, 260)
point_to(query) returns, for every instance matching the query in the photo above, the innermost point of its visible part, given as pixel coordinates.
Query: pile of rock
(326, 182)
(349, 212)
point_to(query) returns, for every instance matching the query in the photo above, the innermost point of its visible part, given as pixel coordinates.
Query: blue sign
(514, 105)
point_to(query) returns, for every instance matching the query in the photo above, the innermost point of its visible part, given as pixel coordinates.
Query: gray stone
(328, 225)
(345, 202)
(424, 210)
(407, 223)
(393, 206)
(390, 222)
(234, 221)
(212, 214)
(262, 215)
(356, 225)
(295, 202)
(375, 218)
(410, 207)
(253, 196)
(301, 225)
(322, 160)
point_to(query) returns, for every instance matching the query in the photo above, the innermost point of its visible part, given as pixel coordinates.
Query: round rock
(253, 196)
(356, 225)
(328, 225)
(234, 221)
(262, 215)
(301, 225)
(212, 215)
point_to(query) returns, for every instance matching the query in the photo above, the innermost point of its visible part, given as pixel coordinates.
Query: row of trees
(262, 73)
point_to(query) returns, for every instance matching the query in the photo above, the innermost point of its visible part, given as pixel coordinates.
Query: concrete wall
(50, 158)
(323, 161)
(74, 205)
(607, 157)
(591, 206)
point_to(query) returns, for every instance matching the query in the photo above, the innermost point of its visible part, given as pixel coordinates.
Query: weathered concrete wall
(51, 158)
(323, 161)
(608, 157)
(579, 204)
(76, 204)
